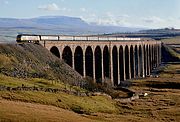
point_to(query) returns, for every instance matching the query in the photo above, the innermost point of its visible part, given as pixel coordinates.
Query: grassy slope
(63, 100)
(31, 60)
(29, 82)
(20, 111)
(172, 49)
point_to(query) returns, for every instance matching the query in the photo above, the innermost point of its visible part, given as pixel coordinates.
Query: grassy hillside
(171, 49)
(30, 112)
(30, 73)
(34, 61)
(63, 98)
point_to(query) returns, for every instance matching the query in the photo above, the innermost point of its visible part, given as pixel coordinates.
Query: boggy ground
(161, 104)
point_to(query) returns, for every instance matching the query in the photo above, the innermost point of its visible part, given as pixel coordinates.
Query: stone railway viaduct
(117, 59)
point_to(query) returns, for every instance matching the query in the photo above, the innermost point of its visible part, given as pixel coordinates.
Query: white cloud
(53, 7)
(83, 9)
(124, 16)
(5, 2)
(124, 20)
(113, 20)
(159, 22)
(49, 7)
(65, 9)
(153, 19)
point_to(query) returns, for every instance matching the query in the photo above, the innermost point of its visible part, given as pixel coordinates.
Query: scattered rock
(59, 100)
(9, 88)
(134, 97)
(123, 100)
(101, 94)
(83, 94)
(145, 94)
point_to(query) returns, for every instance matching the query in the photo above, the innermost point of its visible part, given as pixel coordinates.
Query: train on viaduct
(102, 58)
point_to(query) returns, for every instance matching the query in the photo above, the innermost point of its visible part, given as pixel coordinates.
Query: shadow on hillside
(174, 71)
(178, 71)
(163, 85)
(167, 56)
(174, 63)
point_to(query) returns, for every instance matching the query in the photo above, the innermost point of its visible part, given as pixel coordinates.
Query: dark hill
(34, 61)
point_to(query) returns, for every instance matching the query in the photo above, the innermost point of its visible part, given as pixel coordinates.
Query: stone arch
(54, 50)
(132, 61)
(89, 61)
(67, 55)
(145, 66)
(150, 58)
(155, 55)
(121, 63)
(115, 65)
(127, 62)
(78, 60)
(106, 62)
(136, 57)
(152, 49)
(140, 61)
(98, 64)
(159, 55)
(147, 59)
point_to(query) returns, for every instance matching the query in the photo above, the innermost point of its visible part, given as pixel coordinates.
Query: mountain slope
(60, 24)
(58, 21)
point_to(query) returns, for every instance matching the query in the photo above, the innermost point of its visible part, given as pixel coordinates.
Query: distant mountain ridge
(60, 20)
(41, 21)
(61, 24)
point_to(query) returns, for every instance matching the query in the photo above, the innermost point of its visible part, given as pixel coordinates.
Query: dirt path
(21, 111)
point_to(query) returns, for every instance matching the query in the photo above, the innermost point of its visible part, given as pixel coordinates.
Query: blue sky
(131, 13)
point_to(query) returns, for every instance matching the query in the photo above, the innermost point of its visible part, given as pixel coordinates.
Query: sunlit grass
(14, 82)
(62, 100)
(71, 102)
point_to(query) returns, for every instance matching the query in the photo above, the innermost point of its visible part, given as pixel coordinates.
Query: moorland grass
(63, 100)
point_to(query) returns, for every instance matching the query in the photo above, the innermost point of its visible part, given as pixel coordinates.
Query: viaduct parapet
(117, 59)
